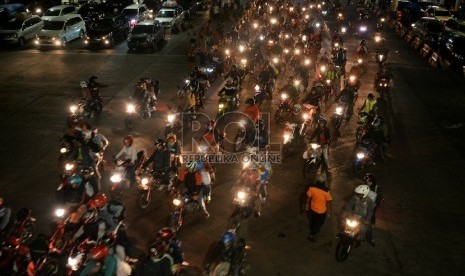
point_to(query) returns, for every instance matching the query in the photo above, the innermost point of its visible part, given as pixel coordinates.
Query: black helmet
(371, 96)
(250, 101)
(93, 78)
(369, 178)
(363, 42)
(196, 68)
(88, 171)
(159, 142)
(322, 121)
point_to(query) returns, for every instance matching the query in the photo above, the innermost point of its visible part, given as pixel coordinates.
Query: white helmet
(362, 190)
(83, 84)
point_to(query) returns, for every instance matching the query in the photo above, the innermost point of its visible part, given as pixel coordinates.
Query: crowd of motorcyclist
(288, 42)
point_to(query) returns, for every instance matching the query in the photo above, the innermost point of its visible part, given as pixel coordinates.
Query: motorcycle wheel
(97, 108)
(129, 122)
(342, 251)
(27, 233)
(143, 200)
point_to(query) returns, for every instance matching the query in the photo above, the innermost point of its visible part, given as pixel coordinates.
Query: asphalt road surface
(419, 226)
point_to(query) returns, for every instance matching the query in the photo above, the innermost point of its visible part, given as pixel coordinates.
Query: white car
(171, 18)
(59, 11)
(19, 30)
(61, 30)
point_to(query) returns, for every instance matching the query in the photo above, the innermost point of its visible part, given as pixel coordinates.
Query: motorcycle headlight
(317, 25)
(307, 61)
(177, 202)
(221, 106)
(377, 38)
(226, 52)
(60, 212)
(351, 223)
(244, 61)
(241, 48)
(339, 110)
(73, 108)
(314, 146)
(171, 118)
(352, 78)
(262, 37)
(284, 96)
(63, 150)
(328, 81)
(245, 164)
(255, 25)
(304, 38)
(286, 51)
(381, 57)
(241, 195)
(275, 60)
(73, 263)
(305, 116)
(130, 108)
(297, 51)
(286, 137)
(360, 155)
(69, 166)
(38, 10)
(116, 178)
(363, 28)
(336, 45)
(382, 19)
(360, 61)
(323, 68)
(144, 181)
(257, 88)
(343, 30)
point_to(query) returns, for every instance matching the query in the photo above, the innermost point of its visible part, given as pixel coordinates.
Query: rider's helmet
(87, 171)
(93, 79)
(171, 137)
(166, 234)
(228, 238)
(229, 80)
(371, 96)
(322, 122)
(191, 166)
(75, 181)
(296, 108)
(362, 191)
(128, 140)
(318, 86)
(159, 142)
(363, 42)
(99, 252)
(377, 121)
(98, 201)
(83, 84)
(369, 179)
(250, 101)
(157, 248)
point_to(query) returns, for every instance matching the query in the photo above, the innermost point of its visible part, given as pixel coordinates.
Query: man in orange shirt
(318, 205)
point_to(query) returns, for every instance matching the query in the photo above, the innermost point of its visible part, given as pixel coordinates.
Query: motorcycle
(349, 237)
(380, 24)
(119, 181)
(291, 138)
(65, 229)
(176, 121)
(381, 58)
(226, 103)
(313, 159)
(242, 207)
(382, 87)
(337, 117)
(365, 155)
(133, 110)
(284, 107)
(76, 114)
(183, 204)
(233, 264)
(148, 181)
(260, 94)
(23, 226)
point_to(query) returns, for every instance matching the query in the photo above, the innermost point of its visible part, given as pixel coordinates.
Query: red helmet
(99, 252)
(166, 234)
(98, 201)
(12, 242)
(129, 140)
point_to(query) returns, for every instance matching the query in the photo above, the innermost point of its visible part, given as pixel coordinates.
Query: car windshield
(103, 24)
(130, 13)
(52, 13)
(53, 25)
(13, 25)
(166, 14)
(435, 27)
(442, 13)
(142, 29)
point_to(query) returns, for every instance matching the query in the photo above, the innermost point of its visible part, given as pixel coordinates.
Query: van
(61, 30)
(21, 29)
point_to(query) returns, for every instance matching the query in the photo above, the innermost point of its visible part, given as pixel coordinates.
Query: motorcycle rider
(212, 136)
(90, 182)
(192, 179)
(228, 250)
(291, 89)
(376, 190)
(252, 110)
(129, 154)
(5, 215)
(230, 89)
(97, 145)
(174, 147)
(362, 206)
(261, 138)
(266, 78)
(159, 261)
(362, 49)
(314, 96)
(347, 97)
(160, 160)
(208, 177)
(369, 106)
(323, 138)
(384, 71)
(340, 59)
(378, 133)
(168, 235)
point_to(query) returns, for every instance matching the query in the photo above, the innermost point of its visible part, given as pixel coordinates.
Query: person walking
(317, 207)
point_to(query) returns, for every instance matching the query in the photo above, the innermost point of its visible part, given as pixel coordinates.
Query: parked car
(428, 29)
(146, 34)
(60, 30)
(21, 29)
(107, 31)
(454, 25)
(171, 18)
(452, 52)
(59, 11)
(92, 12)
(439, 13)
(136, 13)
